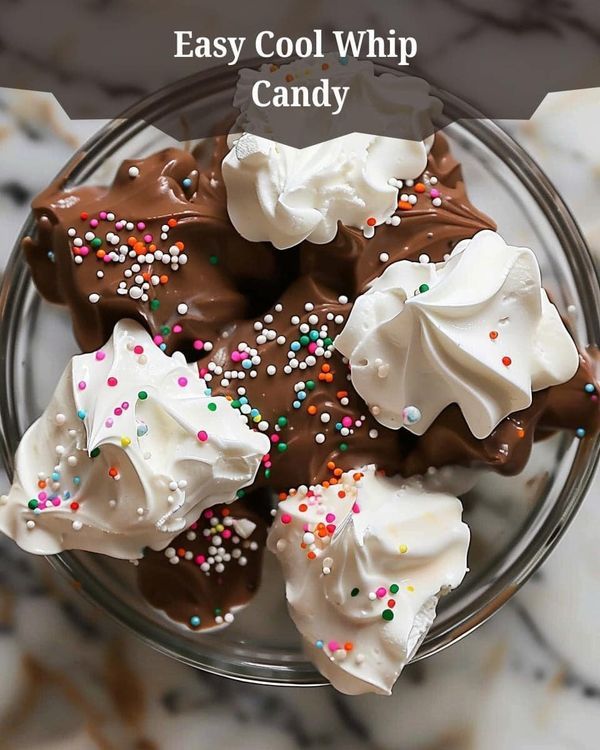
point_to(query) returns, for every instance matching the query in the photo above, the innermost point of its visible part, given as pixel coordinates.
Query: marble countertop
(527, 680)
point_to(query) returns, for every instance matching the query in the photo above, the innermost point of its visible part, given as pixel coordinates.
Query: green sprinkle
(240, 493)
(213, 260)
(96, 243)
(154, 304)
(387, 614)
(218, 611)
(328, 341)
(394, 588)
(282, 421)
(267, 473)
(354, 592)
(304, 340)
(310, 385)
(95, 453)
(343, 447)
(212, 406)
(424, 288)
(165, 330)
(282, 447)
(236, 403)
(32, 504)
(142, 395)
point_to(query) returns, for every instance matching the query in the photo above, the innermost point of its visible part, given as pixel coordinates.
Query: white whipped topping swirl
(285, 195)
(365, 562)
(477, 330)
(129, 452)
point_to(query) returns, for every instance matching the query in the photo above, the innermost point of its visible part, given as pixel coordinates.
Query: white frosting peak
(285, 195)
(365, 562)
(129, 452)
(477, 330)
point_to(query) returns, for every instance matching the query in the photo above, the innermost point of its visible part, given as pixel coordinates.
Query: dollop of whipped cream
(365, 562)
(130, 451)
(285, 195)
(477, 330)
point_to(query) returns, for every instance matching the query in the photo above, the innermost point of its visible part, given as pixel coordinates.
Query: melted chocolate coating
(196, 586)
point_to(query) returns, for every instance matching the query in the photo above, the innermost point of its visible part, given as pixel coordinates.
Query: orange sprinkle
(312, 409)
(322, 533)
(329, 377)
(152, 247)
(225, 512)
(311, 555)
(41, 484)
(337, 472)
(341, 494)
(100, 253)
(131, 241)
(341, 394)
(404, 205)
(303, 507)
(172, 222)
(282, 496)
(163, 279)
(325, 368)
(140, 248)
(289, 77)
(371, 221)
(520, 432)
(348, 646)
(330, 465)
(334, 481)
(357, 477)
(493, 335)
(419, 187)
(146, 276)
(325, 484)
(179, 245)
(112, 472)
(181, 552)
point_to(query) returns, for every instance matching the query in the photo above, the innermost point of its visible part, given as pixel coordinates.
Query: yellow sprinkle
(219, 527)
(410, 588)
(403, 548)
(125, 441)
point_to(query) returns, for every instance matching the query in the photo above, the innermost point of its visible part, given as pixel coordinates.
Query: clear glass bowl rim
(297, 672)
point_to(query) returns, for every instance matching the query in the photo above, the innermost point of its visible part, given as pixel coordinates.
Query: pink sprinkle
(381, 592)
(106, 258)
(42, 496)
(177, 329)
(84, 250)
(208, 514)
(347, 421)
(274, 438)
(194, 526)
(312, 347)
(330, 517)
(118, 411)
(100, 356)
(244, 355)
(356, 508)
(109, 422)
(305, 527)
(82, 385)
(42, 506)
(147, 238)
(94, 223)
(226, 533)
(158, 340)
(182, 382)
(138, 349)
(434, 193)
(102, 215)
(125, 405)
(203, 371)
(286, 518)
(333, 646)
(112, 382)
(198, 344)
(141, 225)
(235, 356)
(202, 436)
(200, 559)
(268, 464)
(119, 225)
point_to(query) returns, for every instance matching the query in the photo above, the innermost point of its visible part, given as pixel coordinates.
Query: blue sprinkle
(66, 496)
(51, 256)
(81, 414)
(243, 400)
(247, 364)
(254, 412)
(36, 511)
(55, 476)
(141, 430)
(338, 425)
(301, 395)
(208, 391)
(295, 346)
(343, 61)
(580, 432)
(296, 404)
(195, 621)
(76, 480)
(319, 644)
(162, 347)
(589, 388)
(187, 182)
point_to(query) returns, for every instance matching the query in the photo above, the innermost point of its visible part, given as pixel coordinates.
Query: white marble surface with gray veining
(527, 680)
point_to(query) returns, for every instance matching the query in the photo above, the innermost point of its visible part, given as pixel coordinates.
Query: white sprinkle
(182, 308)
(60, 419)
(30, 525)
(133, 172)
(424, 258)
(342, 299)
(433, 180)
(384, 257)
(319, 438)
(77, 525)
(325, 417)
(437, 202)
(373, 434)
(93, 298)
(412, 199)
(271, 370)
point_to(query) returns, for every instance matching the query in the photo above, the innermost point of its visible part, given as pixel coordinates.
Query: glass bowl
(515, 522)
